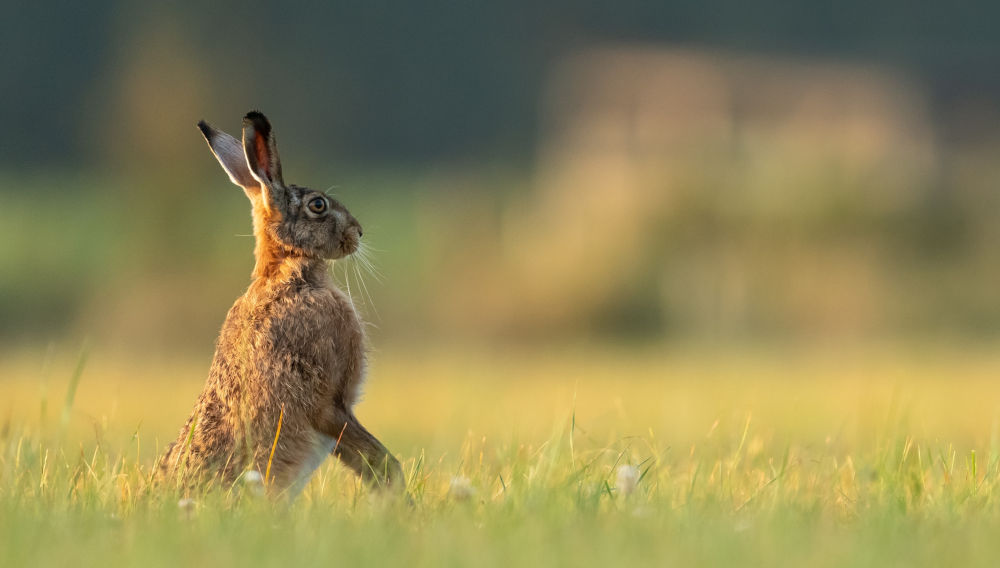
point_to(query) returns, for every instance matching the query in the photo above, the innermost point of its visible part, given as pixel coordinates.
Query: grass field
(578, 455)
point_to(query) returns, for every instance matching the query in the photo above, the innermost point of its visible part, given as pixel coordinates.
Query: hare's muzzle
(351, 239)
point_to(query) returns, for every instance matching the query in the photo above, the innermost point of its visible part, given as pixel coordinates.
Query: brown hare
(290, 357)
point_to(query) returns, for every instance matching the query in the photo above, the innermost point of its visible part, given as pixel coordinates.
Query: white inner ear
(229, 152)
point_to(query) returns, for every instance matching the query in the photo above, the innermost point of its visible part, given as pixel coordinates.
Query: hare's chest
(350, 349)
(339, 344)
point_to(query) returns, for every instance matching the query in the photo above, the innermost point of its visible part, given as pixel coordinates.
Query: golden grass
(433, 400)
(825, 456)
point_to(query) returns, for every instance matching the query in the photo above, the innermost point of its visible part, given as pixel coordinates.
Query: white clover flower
(253, 476)
(254, 482)
(627, 478)
(187, 507)
(461, 488)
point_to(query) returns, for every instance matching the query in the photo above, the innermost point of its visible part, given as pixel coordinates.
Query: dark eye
(317, 205)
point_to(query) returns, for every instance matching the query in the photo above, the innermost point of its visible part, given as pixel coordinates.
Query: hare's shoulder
(296, 311)
(325, 305)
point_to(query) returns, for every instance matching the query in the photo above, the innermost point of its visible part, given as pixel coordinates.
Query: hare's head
(289, 220)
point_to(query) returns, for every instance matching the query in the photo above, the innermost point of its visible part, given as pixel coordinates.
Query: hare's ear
(229, 152)
(262, 157)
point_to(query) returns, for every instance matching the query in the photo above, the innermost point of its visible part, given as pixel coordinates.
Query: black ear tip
(206, 130)
(257, 119)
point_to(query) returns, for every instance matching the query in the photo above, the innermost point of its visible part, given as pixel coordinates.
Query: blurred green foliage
(765, 170)
(416, 82)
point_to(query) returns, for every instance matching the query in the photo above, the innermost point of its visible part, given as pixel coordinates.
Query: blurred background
(622, 173)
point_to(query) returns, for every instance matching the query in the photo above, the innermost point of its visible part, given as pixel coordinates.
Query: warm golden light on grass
(432, 399)
(523, 455)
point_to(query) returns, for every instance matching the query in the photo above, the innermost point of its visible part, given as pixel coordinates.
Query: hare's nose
(360, 232)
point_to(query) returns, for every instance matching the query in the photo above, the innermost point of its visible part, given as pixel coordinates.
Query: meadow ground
(833, 456)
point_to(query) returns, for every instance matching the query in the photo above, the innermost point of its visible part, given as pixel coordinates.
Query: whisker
(366, 262)
(371, 248)
(367, 293)
(347, 285)
(363, 263)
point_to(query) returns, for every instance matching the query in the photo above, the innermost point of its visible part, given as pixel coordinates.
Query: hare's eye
(317, 205)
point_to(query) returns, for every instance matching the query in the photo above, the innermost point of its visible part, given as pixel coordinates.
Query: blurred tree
(416, 82)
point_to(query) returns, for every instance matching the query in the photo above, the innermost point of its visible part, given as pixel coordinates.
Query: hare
(290, 358)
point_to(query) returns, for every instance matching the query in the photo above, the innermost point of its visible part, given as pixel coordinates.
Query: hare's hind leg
(363, 453)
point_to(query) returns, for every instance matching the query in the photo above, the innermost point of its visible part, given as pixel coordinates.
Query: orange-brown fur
(292, 347)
